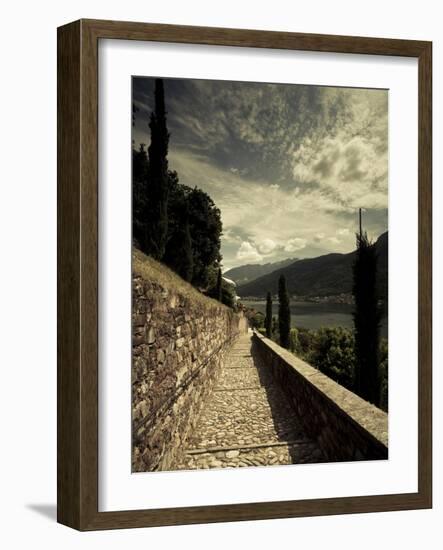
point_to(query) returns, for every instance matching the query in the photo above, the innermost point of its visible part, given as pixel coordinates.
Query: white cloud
(350, 161)
(230, 237)
(248, 253)
(268, 218)
(295, 244)
(334, 240)
(352, 169)
(267, 246)
(298, 161)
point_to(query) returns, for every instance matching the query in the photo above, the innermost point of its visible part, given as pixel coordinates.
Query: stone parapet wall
(345, 426)
(179, 340)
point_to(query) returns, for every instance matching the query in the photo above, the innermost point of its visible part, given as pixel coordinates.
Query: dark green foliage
(156, 212)
(139, 193)
(284, 312)
(173, 223)
(332, 352)
(268, 320)
(305, 342)
(227, 295)
(258, 320)
(206, 227)
(218, 286)
(275, 329)
(212, 280)
(383, 375)
(367, 316)
(294, 344)
(187, 263)
(178, 254)
(249, 272)
(135, 110)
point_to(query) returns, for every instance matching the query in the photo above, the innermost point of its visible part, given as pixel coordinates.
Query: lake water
(311, 315)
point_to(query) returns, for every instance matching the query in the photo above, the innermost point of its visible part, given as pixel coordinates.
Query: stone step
(240, 367)
(250, 388)
(246, 420)
(267, 444)
(258, 456)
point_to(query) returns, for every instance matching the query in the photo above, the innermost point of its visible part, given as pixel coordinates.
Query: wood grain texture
(68, 276)
(89, 275)
(78, 270)
(254, 38)
(425, 275)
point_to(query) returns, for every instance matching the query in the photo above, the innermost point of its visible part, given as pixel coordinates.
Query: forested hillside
(326, 275)
(249, 272)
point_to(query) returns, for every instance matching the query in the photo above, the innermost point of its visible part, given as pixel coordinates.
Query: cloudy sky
(287, 165)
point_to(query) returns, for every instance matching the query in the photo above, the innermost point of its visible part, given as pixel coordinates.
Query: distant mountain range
(249, 272)
(326, 275)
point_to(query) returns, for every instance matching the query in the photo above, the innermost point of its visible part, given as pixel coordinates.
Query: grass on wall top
(152, 270)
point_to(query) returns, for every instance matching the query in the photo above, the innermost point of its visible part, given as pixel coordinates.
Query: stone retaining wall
(345, 426)
(179, 340)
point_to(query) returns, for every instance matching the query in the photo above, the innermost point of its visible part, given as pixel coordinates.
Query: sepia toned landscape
(259, 274)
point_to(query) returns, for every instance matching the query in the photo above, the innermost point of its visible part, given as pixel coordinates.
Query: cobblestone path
(246, 420)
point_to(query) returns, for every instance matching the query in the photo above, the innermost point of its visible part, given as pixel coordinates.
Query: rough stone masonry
(179, 340)
(344, 425)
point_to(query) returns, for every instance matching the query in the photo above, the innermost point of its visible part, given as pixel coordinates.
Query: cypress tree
(366, 320)
(274, 326)
(268, 319)
(284, 312)
(218, 287)
(156, 217)
(139, 194)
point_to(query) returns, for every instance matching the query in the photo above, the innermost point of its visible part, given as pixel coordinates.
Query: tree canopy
(157, 188)
(268, 318)
(284, 312)
(367, 317)
(172, 222)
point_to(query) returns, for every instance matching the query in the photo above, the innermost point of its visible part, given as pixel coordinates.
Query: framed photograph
(244, 275)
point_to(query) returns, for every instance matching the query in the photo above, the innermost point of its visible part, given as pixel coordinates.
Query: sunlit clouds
(287, 165)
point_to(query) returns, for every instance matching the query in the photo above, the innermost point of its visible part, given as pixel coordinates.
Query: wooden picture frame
(77, 479)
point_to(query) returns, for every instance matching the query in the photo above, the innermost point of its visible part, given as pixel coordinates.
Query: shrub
(258, 320)
(228, 295)
(274, 329)
(332, 351)
(294, 344)
(333, 354)
(383, 375)
(284, 312)
(305, 342)
(268, 318)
